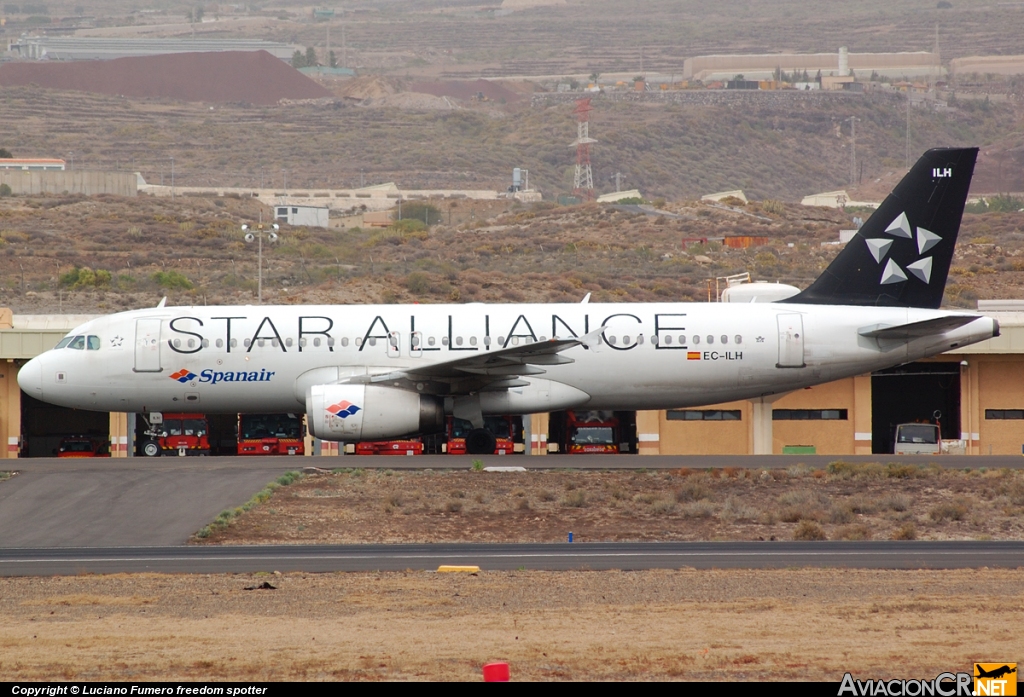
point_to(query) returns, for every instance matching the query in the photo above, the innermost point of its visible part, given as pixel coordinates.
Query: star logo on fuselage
(116, 341)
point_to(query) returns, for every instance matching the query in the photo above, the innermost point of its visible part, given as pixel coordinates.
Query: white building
(310, 216)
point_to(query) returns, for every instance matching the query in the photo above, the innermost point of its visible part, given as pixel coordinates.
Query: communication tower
(583, 185)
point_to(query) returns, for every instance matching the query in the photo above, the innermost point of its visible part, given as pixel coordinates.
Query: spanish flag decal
(693, 355)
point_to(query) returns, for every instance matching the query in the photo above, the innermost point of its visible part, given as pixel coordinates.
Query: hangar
(976, 394)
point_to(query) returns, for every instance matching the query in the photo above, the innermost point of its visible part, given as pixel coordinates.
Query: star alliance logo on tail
(343, 409)
(182, 376)
(901, 228)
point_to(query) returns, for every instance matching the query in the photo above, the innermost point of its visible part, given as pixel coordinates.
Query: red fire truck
(271, 434)
(591, 432)
(410, 446)
(176, 434)
(500, 428)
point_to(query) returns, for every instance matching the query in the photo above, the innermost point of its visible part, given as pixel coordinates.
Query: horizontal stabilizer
(914, 330)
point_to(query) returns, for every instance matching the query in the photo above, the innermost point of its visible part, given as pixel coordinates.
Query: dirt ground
(801, 624)
(845, 501)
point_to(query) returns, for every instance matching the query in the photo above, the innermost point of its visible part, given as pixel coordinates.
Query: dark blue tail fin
(900, 257)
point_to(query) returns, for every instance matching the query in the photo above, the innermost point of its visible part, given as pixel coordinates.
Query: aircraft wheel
(480, 441)
(151, 448)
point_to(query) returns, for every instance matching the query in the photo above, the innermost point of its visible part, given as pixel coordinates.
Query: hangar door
(914, 392)
(43, 426)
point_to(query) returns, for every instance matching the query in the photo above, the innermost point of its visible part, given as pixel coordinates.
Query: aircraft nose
(30, 378)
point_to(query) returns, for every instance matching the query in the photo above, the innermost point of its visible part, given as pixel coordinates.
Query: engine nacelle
(370, 412)
(539, 396)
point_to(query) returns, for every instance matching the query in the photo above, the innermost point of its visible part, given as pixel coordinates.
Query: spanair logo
(212, 377)
(995, 679)
(343, 409)
(901, 228)
(182, 376)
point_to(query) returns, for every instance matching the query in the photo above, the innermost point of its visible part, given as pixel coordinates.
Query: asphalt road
(582, 462)
(595, 556)
(87, 503)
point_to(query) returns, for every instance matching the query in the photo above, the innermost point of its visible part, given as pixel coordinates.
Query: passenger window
(612, 340)
(78, 343)
(682, 340)
(501, 341)
(373, 341)
(64, 342)
(303, 341)
(220, 343)
(288, 342)
(191, 343)
(444, 341)
(711, 339)
(94, 343)
(515, 341)
(330, 341)
(654, 339)
(668, 339)
(625, 340)
(206, 343)
(234, 343)
(247, 343)
(487, 341)
(640, 339)
(472, 341)
(696, 340)
(316, 342)
(275, 343)
(359, 341)
(177, 343)
(261, 342)
(458, 340)
(725, 339)
(738, 339)
(415, 341)
(344, 341)
(430, 341)
(543, 338)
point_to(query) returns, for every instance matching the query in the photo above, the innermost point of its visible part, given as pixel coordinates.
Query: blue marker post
(570, 538)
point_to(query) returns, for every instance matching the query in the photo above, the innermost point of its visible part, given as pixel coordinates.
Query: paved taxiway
(594, 556)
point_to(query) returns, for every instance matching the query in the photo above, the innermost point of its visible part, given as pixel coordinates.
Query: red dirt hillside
(254, 77)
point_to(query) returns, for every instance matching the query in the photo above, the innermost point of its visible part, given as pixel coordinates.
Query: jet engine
(370, 412)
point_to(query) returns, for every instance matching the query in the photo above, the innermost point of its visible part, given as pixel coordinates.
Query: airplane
(371, 372)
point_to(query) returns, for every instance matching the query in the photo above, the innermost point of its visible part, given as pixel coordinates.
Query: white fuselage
(652, 356)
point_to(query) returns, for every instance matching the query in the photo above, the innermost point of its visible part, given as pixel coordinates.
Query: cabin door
(147, 346)
(791, 341)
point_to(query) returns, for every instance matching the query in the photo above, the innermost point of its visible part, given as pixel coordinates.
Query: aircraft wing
(913, 330)
(484, 369)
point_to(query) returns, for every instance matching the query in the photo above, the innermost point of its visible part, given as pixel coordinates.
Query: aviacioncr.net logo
(943, 685)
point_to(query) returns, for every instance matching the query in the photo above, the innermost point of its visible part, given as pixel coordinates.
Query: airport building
(976, 394)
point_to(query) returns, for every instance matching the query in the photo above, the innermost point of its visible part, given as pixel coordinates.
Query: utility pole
(908, 128)
(853, 150)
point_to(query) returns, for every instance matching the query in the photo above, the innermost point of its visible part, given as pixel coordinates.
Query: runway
(493, 557)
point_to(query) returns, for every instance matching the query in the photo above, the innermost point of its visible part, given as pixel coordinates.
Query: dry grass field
(798, 624)
(844, 502)
(130, 252)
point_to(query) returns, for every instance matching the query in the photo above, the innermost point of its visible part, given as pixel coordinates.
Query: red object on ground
(253, 77)
(497, 672)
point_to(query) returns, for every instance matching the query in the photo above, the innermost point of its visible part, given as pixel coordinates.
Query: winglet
(163, 301)
(593, 339)
(586, 299)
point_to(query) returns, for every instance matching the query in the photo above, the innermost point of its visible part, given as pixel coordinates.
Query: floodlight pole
(256, 232)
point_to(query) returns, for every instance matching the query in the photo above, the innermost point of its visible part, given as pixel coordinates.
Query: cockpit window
(64, 342)
(93, 343)
(77, 343)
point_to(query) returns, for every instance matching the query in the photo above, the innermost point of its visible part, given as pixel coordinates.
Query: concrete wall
(10, 408)
(992, 382)
(82, 181)
(755, 66)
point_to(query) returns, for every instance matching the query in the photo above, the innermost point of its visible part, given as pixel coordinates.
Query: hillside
(114, 253)
(772, 147)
